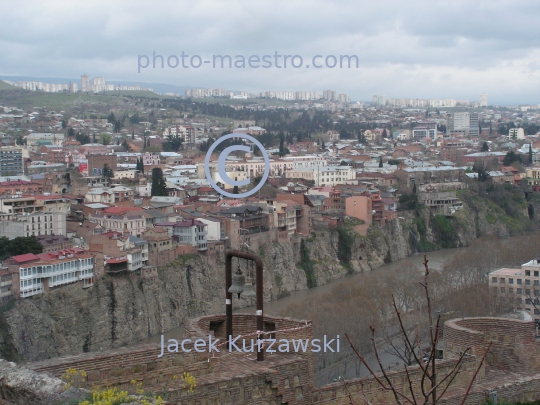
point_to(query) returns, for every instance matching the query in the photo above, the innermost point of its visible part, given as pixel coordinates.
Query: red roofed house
(30, 274)
(13, 187)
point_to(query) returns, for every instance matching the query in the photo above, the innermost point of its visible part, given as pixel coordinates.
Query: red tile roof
(121, 210)
(16, 183)
(25, 258)
(117, 260)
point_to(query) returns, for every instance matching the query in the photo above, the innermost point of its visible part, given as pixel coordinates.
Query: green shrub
(307, 265)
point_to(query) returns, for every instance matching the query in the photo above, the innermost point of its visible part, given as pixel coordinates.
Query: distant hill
(157, 87)
(6, 86)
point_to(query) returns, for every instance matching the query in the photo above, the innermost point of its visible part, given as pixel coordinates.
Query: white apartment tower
(85, 83)
(329, 95)
(343, 98)
(459, 123)
(483, 100)
(379, 99)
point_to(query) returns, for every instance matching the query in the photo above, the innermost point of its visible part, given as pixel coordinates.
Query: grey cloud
(395, 40)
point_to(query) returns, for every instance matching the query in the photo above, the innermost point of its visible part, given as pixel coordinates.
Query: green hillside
(15, 96)
(6, 86)
(135, 93)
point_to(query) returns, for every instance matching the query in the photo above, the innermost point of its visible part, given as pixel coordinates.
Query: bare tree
(396, 343)
(432, 386)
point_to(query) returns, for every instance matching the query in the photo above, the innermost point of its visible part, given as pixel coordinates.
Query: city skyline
(100, 84)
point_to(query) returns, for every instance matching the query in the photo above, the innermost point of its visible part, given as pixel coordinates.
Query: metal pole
(258, 291)
(228, 298)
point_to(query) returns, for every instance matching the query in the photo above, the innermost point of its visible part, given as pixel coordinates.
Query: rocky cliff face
(123, 310)
(22, 386)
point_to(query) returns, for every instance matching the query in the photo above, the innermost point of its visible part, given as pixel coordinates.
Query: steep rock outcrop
(21, 386)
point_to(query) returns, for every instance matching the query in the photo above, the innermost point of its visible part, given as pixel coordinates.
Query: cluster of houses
(92, 209)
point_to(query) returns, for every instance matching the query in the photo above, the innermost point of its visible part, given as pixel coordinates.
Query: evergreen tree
(479, 167)
(318, 141)
(485, 147)
(108, 173)
(159, 187)
(511, 157)
(141, 165)
(322, 146)
(281, 146)
(380, 162)
(530, 154)
(414, 189)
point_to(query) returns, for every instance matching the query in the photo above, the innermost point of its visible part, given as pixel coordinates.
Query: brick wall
(367, 388)
(232, 377)
(514, 347)
(221, 377)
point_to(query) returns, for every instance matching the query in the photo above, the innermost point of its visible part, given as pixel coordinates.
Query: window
(536, 282)
(519, 281)
(536, 273)
(536, 312)
(519, 291)
(527, 291)
(527, 282)
(527, 272)
(503, 290)
(528, 301)
(511, 290)
(503, 280)
(536, 292)
(510, 281)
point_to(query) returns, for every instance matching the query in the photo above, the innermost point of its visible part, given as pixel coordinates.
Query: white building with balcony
(189, 232)
(33, 274)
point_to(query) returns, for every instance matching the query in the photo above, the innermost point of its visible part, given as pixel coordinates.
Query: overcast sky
(418, 49)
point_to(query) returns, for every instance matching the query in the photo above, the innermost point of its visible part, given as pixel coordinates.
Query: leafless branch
(351, 400)
(404, 332)
(429, 382)
(475, 374)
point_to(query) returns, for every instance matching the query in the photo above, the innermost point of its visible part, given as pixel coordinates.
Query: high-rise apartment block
(474, 129)
(329, 95)
(459, 124)
(379, 99)
(85, 83)
(483, 100)
(11, 161)
(202, 93)
(343, 98)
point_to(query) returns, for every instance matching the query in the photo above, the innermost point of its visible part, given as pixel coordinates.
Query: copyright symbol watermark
(221, 166)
